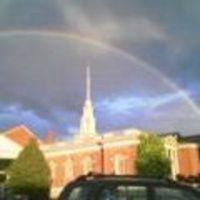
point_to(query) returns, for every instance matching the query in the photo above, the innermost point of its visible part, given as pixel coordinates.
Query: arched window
(87, 165)
(119, 164)
(69, 169)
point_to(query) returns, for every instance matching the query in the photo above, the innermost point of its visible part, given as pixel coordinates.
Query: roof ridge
(21, 126)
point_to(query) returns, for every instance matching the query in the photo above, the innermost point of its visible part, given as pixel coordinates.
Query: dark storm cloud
(30, 14)
(40, 73)
(157, 31)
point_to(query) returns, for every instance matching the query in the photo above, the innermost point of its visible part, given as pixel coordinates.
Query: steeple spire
(88, 122)
(88, 84)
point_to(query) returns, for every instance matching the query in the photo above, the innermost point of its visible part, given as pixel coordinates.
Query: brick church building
(108, 153)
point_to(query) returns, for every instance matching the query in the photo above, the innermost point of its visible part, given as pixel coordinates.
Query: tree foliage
(152, 159)
(29, 174)
(4, 164)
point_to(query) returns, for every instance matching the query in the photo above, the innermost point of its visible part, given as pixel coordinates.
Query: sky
(143, 55)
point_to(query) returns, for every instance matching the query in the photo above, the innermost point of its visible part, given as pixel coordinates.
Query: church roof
(21, 135)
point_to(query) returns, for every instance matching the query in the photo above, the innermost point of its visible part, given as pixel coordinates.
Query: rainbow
(101, 44)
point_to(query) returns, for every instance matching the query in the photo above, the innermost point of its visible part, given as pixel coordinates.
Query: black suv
(126, 188)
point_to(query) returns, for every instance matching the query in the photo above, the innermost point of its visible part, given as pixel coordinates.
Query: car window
(174, 194)
(123, 193)
(77, 193)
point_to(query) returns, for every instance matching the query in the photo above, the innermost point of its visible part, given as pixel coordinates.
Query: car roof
(125, 178)
(141, 180)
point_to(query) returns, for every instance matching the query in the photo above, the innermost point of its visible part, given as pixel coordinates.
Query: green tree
(30, 174)
(152, 159)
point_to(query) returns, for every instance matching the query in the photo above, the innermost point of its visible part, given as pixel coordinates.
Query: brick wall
(126, 156)
(189, 160)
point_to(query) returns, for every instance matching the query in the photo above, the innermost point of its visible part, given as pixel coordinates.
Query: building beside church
(108, 153)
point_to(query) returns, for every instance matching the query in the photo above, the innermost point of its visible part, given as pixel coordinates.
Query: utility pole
(102, 160)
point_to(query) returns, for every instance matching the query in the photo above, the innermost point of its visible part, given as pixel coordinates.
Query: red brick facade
(189, 159)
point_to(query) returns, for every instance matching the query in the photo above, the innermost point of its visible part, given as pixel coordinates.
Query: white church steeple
(88, 122)
(88, 84)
